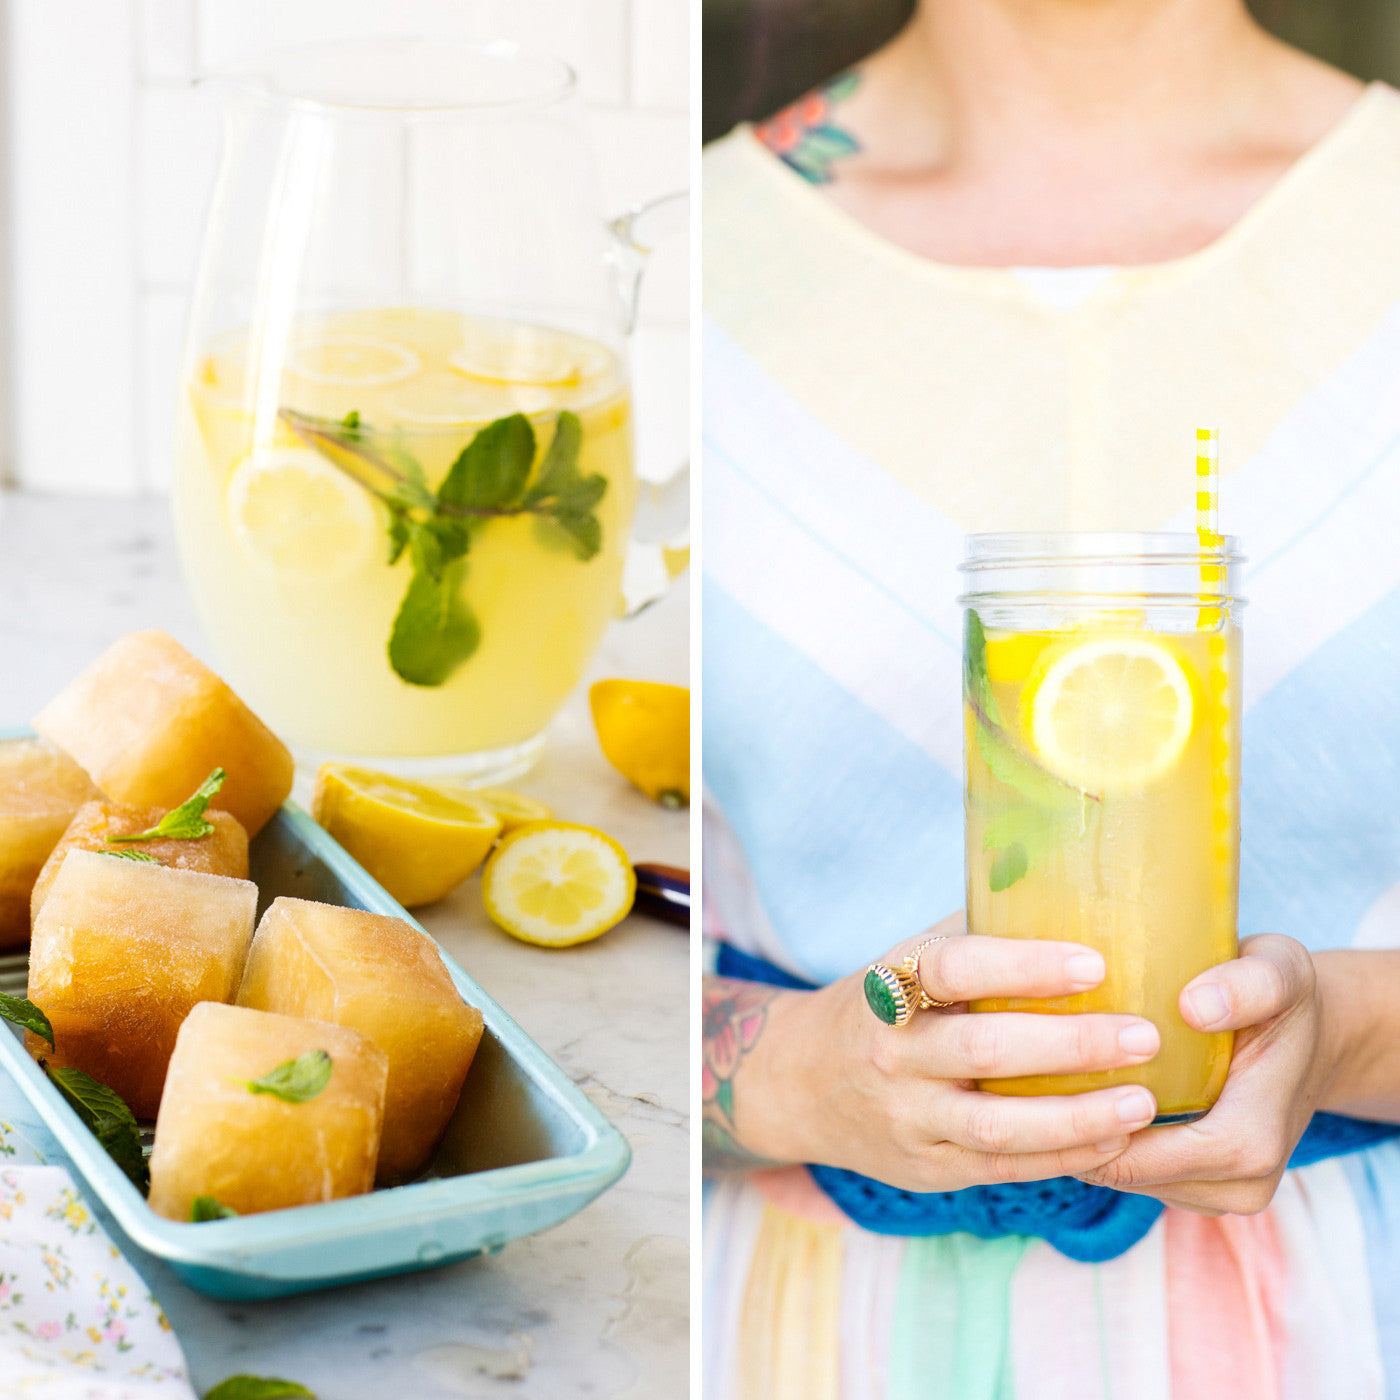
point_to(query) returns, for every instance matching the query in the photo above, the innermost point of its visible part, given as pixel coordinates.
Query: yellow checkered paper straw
(1211, 617)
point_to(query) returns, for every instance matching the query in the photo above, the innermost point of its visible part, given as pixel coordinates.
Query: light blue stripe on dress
(854, 834)
(1320, 800)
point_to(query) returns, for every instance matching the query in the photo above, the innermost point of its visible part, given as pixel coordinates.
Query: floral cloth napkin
(76, 1321)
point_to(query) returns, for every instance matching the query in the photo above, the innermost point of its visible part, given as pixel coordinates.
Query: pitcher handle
(660, 546)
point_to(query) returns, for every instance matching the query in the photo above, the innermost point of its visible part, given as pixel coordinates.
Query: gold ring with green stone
(895, 993)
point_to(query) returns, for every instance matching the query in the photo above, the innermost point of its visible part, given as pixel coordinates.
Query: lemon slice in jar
(1109, 714)
(355, 361)
(555, 884)
(510, 353)
(292, 512)
(446, 400)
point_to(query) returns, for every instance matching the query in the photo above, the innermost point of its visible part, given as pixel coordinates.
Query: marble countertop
(597, 1306)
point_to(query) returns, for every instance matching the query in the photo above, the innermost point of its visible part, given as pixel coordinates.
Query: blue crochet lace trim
(1088, 1223)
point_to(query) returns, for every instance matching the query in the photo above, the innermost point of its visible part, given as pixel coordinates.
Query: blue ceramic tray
(524, 1150)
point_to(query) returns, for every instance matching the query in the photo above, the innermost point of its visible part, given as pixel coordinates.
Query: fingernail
(1115, 1145)
(1208, 1004)
(1135, 1106)
(1138, 1039)
(1085, 969)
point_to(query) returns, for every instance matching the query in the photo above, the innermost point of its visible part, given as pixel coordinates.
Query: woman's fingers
(1271, 974)
(998, 1123)
(963, 966)
(999, 1044)
(967, 1165)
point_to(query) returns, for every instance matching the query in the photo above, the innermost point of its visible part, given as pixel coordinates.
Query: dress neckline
(1376, 98)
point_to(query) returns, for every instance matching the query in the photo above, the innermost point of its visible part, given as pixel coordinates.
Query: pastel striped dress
(864, 409)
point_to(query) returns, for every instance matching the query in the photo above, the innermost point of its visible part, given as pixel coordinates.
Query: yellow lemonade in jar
(1102, 790)
(404, 528)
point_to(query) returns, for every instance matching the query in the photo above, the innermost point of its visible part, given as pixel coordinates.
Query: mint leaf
(493, 468)
(106, 1115)
(185, 822)
(977, 685)
(1009, 866)
(560, 465)
(204, 1208)
(20, 1012)
(295, 1081)
(258, 1388)
(584, 531)
(131, 855)
(434, 631)
(438, 542)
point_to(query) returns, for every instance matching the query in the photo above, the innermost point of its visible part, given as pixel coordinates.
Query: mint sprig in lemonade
(1101, 683)
(405, 535)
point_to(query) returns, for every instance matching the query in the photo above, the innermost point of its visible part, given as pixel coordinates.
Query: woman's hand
(816, 1077)
(1232, 1159)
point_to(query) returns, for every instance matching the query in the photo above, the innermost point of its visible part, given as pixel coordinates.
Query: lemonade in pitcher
(1102, 792)
(404, 528)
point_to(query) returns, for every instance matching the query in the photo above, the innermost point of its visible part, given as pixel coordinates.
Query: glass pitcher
(404, 485)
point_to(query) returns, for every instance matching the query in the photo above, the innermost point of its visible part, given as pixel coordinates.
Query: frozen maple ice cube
(385, 978)
(40, 789)
(149, 722)
(254, 1152)
(224, 851)
(120, 952)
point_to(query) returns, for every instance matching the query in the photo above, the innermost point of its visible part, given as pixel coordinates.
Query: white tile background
(112, 152)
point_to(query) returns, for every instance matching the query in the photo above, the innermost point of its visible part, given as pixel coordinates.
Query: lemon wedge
(554, 884)
(356, 361)
(418, 841)
(1112, 713)
(293, 512)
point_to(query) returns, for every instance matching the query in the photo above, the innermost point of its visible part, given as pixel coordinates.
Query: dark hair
(759, 55)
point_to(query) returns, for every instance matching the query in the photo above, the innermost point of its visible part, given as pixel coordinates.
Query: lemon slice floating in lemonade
(358, 361)
(452, 400)
(554, 884)
(294, 513)
(1111, 713)
(522, 354)
(417, 840)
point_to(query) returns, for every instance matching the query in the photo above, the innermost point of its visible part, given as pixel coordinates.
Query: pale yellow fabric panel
(790, 1338)
(1007, 412)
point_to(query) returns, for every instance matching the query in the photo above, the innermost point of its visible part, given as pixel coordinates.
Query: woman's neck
(1070, 132)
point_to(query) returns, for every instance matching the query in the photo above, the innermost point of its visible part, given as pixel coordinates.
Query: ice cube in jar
(40, 789)
(121, 952)
(254, 1152)
(149, 722)
(386, 979)
(224, 851)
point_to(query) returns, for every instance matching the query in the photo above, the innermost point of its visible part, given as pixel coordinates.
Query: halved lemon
(510, 353)
(644, 732)
(293, 512)
(418, 841)
(513, 808)
(357, 361)
(1111, 713)
(554, 884)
